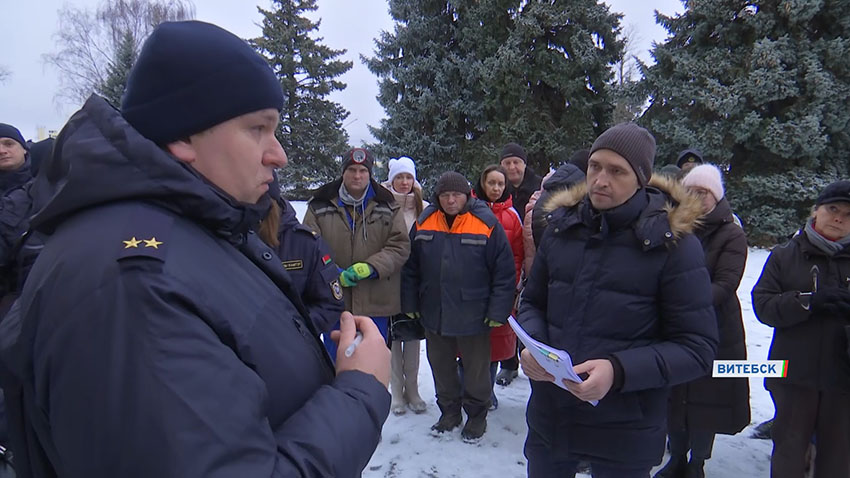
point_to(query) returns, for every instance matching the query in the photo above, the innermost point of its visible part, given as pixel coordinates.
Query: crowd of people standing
(166, 314)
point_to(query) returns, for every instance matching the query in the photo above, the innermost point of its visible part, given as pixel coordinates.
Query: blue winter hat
(191, 76)
(9, 131)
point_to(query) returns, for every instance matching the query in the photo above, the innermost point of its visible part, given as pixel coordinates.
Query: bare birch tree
(89, 42)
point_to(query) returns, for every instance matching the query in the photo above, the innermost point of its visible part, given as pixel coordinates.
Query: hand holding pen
(361, 347)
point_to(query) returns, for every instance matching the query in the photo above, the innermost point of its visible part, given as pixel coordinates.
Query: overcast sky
(27, 99)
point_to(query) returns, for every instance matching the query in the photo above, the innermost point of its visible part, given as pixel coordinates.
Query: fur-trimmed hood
(667, 199)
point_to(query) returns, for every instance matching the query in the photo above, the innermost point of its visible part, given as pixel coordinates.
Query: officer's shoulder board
(146, 234)
(304, 229)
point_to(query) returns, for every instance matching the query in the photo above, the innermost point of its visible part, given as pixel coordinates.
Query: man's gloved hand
(832, 301)
(357, 271)
(413, 315)
(492, 323)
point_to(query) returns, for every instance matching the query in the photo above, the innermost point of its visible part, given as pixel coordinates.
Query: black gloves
(831, 301)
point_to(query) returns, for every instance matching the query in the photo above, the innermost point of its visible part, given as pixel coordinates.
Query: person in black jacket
(524, 182)
(460, 280)
(619, 282)
(804, 294)
(156, 335)
(706, 406)
(14, 159)
(564, 177)
(307, 259)
(687, 160)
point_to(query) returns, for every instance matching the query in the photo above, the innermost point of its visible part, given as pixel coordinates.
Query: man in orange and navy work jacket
(460, 280)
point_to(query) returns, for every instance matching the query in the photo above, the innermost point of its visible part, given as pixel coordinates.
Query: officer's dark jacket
(155, 336)
(10, 180)
(457, 277)
(629, 284)
(307, 258)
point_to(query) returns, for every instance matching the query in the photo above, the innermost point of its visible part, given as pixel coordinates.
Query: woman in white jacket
(405, 354)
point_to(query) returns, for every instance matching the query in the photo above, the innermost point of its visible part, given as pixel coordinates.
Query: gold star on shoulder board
(152, 242)
(133, 242)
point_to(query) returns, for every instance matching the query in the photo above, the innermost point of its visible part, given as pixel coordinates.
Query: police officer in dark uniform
(156, 335)
(307, 259)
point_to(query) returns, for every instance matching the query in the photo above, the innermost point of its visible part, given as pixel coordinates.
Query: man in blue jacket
(618, 282)
(156, 335)
(14, 159)
(460, 279)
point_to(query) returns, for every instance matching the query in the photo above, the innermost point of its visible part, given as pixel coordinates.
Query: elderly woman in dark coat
(803, 294)
(706, 406)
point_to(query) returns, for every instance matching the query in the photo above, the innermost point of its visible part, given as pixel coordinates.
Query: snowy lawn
(408, 449)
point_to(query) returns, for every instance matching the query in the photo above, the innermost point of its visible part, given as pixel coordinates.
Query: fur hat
(191, 76)
(635, 144)
(705, 176)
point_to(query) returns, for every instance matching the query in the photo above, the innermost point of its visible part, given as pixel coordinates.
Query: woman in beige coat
(405, 355)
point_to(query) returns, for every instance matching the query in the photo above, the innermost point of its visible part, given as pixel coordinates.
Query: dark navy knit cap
(9, 131)
(191, 76)
(513, 149)
(839, 191)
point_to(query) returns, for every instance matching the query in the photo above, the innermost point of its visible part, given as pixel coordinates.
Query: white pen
(349, 351)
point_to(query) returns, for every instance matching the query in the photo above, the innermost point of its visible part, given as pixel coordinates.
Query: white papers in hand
(557, 362)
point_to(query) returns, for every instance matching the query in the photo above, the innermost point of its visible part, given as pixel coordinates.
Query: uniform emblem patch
(336, 289)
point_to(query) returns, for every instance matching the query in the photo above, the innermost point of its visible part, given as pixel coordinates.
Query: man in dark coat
(524, 182)
(460, 280)
(803, 294)
(620, 283)
(156, 335)
(687, 160)
(562, 179)
(14, 159)
(707, 405)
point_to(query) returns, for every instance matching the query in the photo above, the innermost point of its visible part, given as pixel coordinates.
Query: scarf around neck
(830, 248)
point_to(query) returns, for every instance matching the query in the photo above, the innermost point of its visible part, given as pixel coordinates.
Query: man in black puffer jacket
(620, 283)
(156, 335)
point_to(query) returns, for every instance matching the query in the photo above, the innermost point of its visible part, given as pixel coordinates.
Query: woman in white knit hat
(701, 408)
(405, 353)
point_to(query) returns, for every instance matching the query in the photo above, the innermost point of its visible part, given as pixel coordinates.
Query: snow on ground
(408, 449)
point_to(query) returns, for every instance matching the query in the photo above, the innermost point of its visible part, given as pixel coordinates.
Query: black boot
(474, 429)
(450, 417)
(505, 376)
(762, 431)
(447, 423)
(695, 470)
(675, 468)
(476, 422)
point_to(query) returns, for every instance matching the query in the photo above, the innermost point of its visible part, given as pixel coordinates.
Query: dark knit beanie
(513, 149)
(839, 191)
(191, 76)
(452, 182)
(359, 156)
(9, 131)
(579, 159)
(689, 156)
(635, 144)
